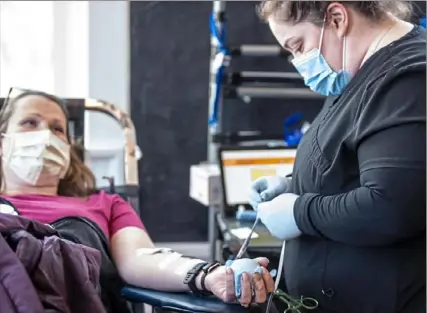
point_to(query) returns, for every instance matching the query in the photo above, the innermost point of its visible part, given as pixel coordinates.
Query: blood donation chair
(165, 301)
(138, 297)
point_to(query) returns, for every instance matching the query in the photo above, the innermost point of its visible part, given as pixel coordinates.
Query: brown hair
(314, 11)
(79, 180)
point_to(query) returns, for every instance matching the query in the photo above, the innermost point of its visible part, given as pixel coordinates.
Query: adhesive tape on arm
(151, 251)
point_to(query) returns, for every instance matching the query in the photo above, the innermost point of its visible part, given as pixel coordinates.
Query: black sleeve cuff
(302, 214)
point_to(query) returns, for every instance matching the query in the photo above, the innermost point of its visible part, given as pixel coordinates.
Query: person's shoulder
(105, 197)
(403, 55)
(402, 66)
(393, 91)
(406, 56)
(409, 54)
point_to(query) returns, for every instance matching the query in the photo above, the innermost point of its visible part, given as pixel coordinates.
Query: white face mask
(37, 157)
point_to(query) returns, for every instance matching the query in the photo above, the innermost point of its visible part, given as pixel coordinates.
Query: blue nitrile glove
(239, 267)
(266, 188)
(278, 216)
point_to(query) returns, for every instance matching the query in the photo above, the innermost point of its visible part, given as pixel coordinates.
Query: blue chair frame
(179, 302)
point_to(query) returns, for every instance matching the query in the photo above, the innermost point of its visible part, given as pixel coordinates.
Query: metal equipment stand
(215, 103)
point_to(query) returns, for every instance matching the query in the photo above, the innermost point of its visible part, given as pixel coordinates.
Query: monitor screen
(241, 167)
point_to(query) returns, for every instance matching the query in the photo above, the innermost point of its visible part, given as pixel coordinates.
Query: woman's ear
(337, 18)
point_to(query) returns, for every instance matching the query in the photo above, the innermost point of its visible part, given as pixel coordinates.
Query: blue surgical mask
(317, 73)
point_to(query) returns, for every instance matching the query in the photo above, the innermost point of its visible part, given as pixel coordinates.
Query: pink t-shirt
(110, 212)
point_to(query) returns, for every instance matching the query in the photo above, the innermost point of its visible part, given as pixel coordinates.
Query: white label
(243, 233)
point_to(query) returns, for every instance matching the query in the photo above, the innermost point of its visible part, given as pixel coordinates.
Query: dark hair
(79, 180)
(314, 11)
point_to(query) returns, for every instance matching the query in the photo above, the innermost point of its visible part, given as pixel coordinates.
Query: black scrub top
(360, 172)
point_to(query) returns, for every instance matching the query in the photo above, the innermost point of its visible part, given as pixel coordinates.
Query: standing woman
(353, 215)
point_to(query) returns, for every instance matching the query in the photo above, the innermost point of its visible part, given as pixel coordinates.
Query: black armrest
(180, 302)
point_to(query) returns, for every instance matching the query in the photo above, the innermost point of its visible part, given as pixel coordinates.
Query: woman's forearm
(163, 271)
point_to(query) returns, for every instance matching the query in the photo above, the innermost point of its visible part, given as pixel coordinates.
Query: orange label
(266, 161)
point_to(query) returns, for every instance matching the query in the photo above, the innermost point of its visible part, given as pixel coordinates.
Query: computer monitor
(240, 166)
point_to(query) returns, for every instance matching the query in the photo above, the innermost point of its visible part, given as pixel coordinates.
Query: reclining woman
(43, 177)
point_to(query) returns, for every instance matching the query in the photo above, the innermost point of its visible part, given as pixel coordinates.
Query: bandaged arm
(141, 264)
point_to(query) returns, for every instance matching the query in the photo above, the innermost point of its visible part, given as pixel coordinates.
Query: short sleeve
(123, 215)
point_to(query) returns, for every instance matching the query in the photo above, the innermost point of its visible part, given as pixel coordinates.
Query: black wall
(170, 47)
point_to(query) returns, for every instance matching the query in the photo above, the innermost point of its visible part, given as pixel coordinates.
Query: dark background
(170, 50)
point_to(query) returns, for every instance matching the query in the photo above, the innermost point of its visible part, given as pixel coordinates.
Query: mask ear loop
(5, 155)
(344, 54)
(344, 50)
(321, 35)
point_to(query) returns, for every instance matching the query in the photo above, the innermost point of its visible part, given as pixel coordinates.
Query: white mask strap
(344, 54)
(344, 50)
(321, 35)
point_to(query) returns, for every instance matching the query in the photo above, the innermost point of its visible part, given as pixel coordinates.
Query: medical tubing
(220, 37)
